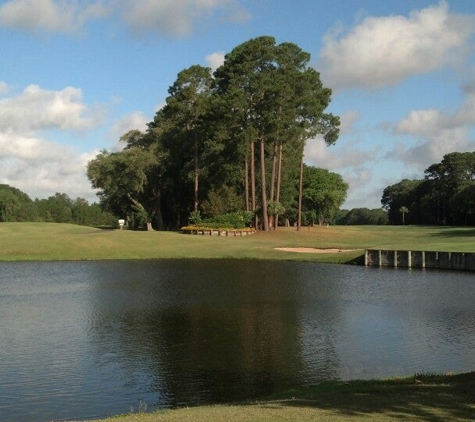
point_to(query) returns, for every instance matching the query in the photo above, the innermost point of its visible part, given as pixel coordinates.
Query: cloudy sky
(77, 74)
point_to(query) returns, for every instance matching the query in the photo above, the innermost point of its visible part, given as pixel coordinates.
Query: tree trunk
(246, 181)
(253, 183)
(265, 218)
(279, 176)
(272, 178)
(299, 218)
(158, 210)
(272, 183)
(196, 174)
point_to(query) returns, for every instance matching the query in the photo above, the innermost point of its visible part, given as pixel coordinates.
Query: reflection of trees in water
(226, 330)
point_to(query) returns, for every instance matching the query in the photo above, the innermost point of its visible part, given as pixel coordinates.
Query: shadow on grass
(359, 260)
(424, 398)
(455, 232)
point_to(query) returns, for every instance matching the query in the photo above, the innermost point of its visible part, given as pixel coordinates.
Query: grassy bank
(419, 398)
(50, 241)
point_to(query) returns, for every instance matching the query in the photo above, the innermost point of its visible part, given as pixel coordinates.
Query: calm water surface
(91, 339)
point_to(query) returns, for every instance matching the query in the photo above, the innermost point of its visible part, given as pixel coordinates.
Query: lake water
(91, 339)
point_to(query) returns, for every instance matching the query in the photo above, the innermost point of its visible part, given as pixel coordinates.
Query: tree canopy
(323, 194)
(17, 206)
(444, 196)
(239, 132)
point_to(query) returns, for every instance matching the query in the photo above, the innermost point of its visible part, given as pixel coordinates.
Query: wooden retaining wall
(215, 232)
(420, 259)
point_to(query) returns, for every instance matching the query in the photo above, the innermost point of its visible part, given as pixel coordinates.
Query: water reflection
(81, 339)
(224, 336)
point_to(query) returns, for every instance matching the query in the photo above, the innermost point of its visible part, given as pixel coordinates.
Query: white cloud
(317, 153)
(346, 158)
(49, 15)
(3, 88)
(353, 165)
(382, 51)
(36, 108)
(172, 18)
(215, 60)
(438, 132)
(177, 18)
(38, 166)
(132, 121)
(41, 168)
(347, 120)
(430, 151)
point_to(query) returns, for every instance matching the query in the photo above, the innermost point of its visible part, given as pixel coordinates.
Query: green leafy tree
(56, 208)
(274, 97)
(443, 197)
(9, 206)
(403, 193)
(122, 179)
(244, 127)
(16, 205)
(462, 206)
(187, 107)
(448, 178)
(323, 194)
(222, 201)
(86, 214)
(363, 216)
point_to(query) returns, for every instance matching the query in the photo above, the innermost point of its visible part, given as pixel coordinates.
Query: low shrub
(233, 220)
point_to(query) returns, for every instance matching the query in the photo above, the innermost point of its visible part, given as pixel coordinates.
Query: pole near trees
(299, 216)
(265, 216)
(279, 175)
(403, 210)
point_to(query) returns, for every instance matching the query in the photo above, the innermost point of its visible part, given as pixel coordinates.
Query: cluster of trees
(446, 196)
(362, 216)
(228, 141)
(323, 193)
(17, 206)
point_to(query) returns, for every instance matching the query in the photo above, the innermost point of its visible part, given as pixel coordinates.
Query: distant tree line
(228, 141)
(446, 195)
(17, 206)
(362, 216)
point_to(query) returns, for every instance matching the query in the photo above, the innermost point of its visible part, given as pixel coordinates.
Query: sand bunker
(313, 250)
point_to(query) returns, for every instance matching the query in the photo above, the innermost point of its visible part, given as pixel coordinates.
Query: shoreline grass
(52, 241)
(423, 397)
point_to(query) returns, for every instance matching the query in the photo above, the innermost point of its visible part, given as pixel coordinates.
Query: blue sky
(76, 75)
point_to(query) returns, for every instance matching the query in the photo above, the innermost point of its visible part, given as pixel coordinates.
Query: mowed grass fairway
(52, 241)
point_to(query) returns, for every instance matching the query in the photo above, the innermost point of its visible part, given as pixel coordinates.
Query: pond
(92, 339)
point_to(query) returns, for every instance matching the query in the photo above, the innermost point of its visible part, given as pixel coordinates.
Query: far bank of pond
(52, 242)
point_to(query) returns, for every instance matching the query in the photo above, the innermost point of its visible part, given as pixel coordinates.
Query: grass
(50, 241)
(431, 398)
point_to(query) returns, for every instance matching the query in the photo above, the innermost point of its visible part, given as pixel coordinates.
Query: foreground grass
(419, 398)
(50, 241)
